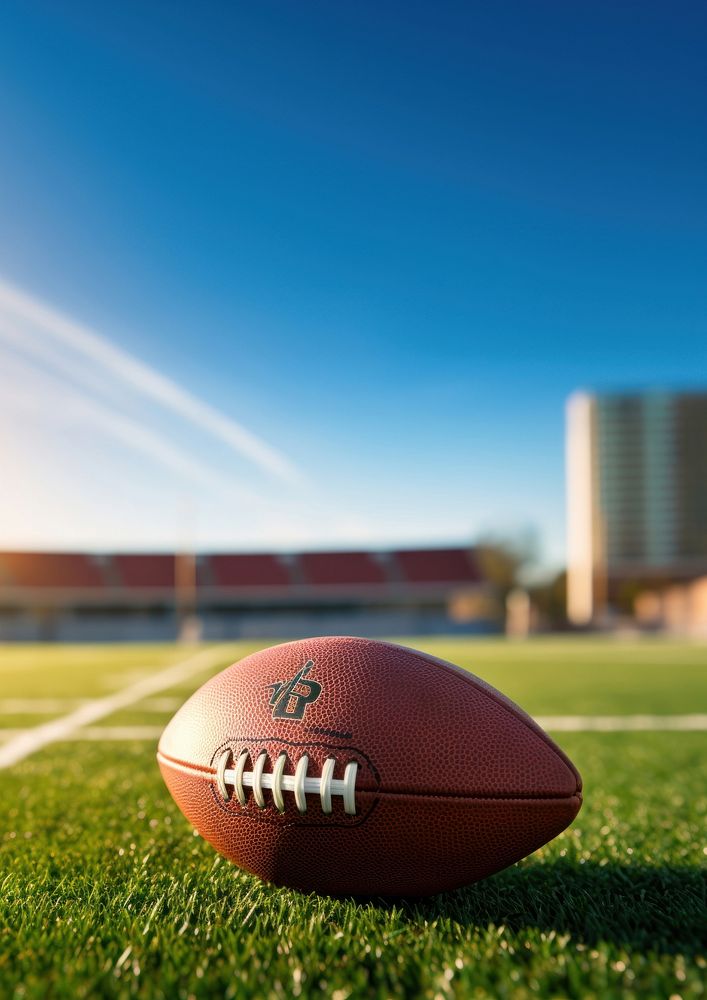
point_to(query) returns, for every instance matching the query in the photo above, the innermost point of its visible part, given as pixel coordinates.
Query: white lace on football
(277, 782)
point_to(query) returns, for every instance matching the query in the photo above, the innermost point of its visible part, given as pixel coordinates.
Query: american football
(353, 501)
(346, 765)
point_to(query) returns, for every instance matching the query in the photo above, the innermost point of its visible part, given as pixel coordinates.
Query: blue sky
(387, 241)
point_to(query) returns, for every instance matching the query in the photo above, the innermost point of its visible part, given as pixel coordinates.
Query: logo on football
(289, 699)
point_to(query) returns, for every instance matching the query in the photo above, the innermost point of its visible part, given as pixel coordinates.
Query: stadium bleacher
(438, 566)
(245, 570)
(46, 570)
(114, 596)
(342, 569)
(144, 570)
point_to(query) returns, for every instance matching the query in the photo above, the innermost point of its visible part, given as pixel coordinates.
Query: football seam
(208, 773)
(476, 797)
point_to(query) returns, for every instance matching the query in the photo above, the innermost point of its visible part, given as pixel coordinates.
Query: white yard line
(28, 742)
(98, 734)
(104, 734)
(39, 706)
(553, 723)
(56, 706)
(621, 723)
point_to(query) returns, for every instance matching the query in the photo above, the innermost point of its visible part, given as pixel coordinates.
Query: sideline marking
(30, 740)
(622, 723)
(55, 706)
(553, 723)
(98, 734)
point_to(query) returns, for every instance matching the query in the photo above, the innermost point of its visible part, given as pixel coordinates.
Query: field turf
(106, 891)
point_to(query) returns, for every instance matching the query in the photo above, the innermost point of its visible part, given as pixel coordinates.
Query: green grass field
(106, 891)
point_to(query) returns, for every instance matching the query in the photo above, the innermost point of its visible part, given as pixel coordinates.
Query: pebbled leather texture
(454, 781)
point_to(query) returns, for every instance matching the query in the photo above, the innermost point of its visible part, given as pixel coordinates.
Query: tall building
(636, 494)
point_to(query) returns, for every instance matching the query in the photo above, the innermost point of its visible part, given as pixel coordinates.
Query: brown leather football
(343, 765)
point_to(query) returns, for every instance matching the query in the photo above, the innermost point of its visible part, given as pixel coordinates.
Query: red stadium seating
(247, 571)
(414, 567)
(332, 568)
(49, 569)
(135, 597)
(437, 566)
(144, 570)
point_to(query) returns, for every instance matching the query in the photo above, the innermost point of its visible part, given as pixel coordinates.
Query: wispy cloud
(29, 391)
(145, 380)
(64, 365)
(63, 385)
